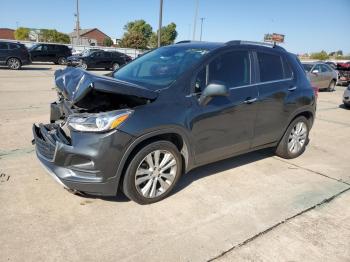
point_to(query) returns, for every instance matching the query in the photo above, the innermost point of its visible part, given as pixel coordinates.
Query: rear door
(52, 51)
(327, 74)
(3, 52)
(225, 125)
(276, 87)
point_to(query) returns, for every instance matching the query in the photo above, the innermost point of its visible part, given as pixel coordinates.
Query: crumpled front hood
(75, 84)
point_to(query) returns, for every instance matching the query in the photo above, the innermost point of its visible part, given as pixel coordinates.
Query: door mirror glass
(216, 88)
(315, 71)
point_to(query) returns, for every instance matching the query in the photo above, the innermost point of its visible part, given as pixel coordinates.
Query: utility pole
(160, 20)
(202, 19)
(195, 20)
(77, 24)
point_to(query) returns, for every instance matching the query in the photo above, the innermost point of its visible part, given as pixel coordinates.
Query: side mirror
(315, 71)
(213, 89)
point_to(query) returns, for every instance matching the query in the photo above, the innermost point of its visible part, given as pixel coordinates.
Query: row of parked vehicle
(15, 55)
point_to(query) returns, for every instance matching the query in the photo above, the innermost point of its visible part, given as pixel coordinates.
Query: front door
(225, 125)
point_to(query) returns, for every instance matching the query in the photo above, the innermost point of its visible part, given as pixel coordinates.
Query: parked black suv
(171, 110)
(14, 55)
(99, 59)
(50, 53)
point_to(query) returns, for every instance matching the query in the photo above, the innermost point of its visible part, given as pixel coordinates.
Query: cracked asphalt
(255, 207)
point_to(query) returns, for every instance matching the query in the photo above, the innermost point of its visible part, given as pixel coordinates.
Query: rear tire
(295, 139)
(152, 173)
(14, 63)
(331, 86)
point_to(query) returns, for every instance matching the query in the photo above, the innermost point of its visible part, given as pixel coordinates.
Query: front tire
(295, 139)
(152, 173)
(62, 61)
(331, 86)
(83, 65)
(115, 66)
(14, 63)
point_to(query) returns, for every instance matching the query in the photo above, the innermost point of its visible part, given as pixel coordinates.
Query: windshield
(161, 67)
(307, 67)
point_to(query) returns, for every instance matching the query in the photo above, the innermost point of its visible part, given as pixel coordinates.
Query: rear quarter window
(270, 66)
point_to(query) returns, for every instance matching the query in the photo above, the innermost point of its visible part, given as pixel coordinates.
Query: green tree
(168, 35)
(137, 34)
(320, 55)
(22, 33)
(134, 40)
(107, 41)
(52, 35)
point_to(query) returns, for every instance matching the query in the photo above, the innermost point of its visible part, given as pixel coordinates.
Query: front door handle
(292, 88)
(250, 101)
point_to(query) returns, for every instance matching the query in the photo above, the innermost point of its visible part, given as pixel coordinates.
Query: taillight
(315, 88)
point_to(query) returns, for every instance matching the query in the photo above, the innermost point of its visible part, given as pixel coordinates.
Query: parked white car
(346, 97)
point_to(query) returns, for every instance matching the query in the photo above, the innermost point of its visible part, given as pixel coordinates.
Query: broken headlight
(98, 122)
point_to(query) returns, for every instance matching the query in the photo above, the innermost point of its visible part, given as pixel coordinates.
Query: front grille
(45, 145)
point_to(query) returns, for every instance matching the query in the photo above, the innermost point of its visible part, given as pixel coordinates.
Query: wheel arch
(306, 112)
(13, 57)
(177, 137)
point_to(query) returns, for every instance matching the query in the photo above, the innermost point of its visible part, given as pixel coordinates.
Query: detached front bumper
(85, 162)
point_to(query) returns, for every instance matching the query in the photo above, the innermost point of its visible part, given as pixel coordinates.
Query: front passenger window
(231, 68)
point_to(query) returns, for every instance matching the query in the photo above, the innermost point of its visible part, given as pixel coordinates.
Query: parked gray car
(321, 75)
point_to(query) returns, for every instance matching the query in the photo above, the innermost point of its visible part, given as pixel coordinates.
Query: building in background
(92, 37)
(7, 33)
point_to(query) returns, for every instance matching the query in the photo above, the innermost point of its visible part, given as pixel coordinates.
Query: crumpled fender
(75, 84)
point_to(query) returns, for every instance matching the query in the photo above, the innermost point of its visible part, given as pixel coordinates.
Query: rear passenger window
(270, 66)
(3, 46)
(13, 46)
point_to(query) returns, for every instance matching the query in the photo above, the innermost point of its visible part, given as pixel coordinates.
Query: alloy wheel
(14, 63)
(115, 66)
(62, 61)
(297, 137)
(156, 173)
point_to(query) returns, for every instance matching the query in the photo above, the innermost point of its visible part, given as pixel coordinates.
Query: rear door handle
(250, 101)
(292, 88)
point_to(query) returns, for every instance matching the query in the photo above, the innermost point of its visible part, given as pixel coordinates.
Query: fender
(173, 129)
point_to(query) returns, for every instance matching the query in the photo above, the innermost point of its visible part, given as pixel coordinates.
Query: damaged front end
(82, 146)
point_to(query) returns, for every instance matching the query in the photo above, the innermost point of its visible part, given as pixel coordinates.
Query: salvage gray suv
(171, 110)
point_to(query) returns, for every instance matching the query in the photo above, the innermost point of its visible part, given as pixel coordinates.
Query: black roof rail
(183, 42)
(243, 42)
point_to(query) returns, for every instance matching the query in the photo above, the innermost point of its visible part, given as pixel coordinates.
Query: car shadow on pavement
(199, 173)
(220, 166)
(344, 107)
(27, 68)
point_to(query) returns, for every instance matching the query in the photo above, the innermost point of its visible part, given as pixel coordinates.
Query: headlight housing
(98, 122)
